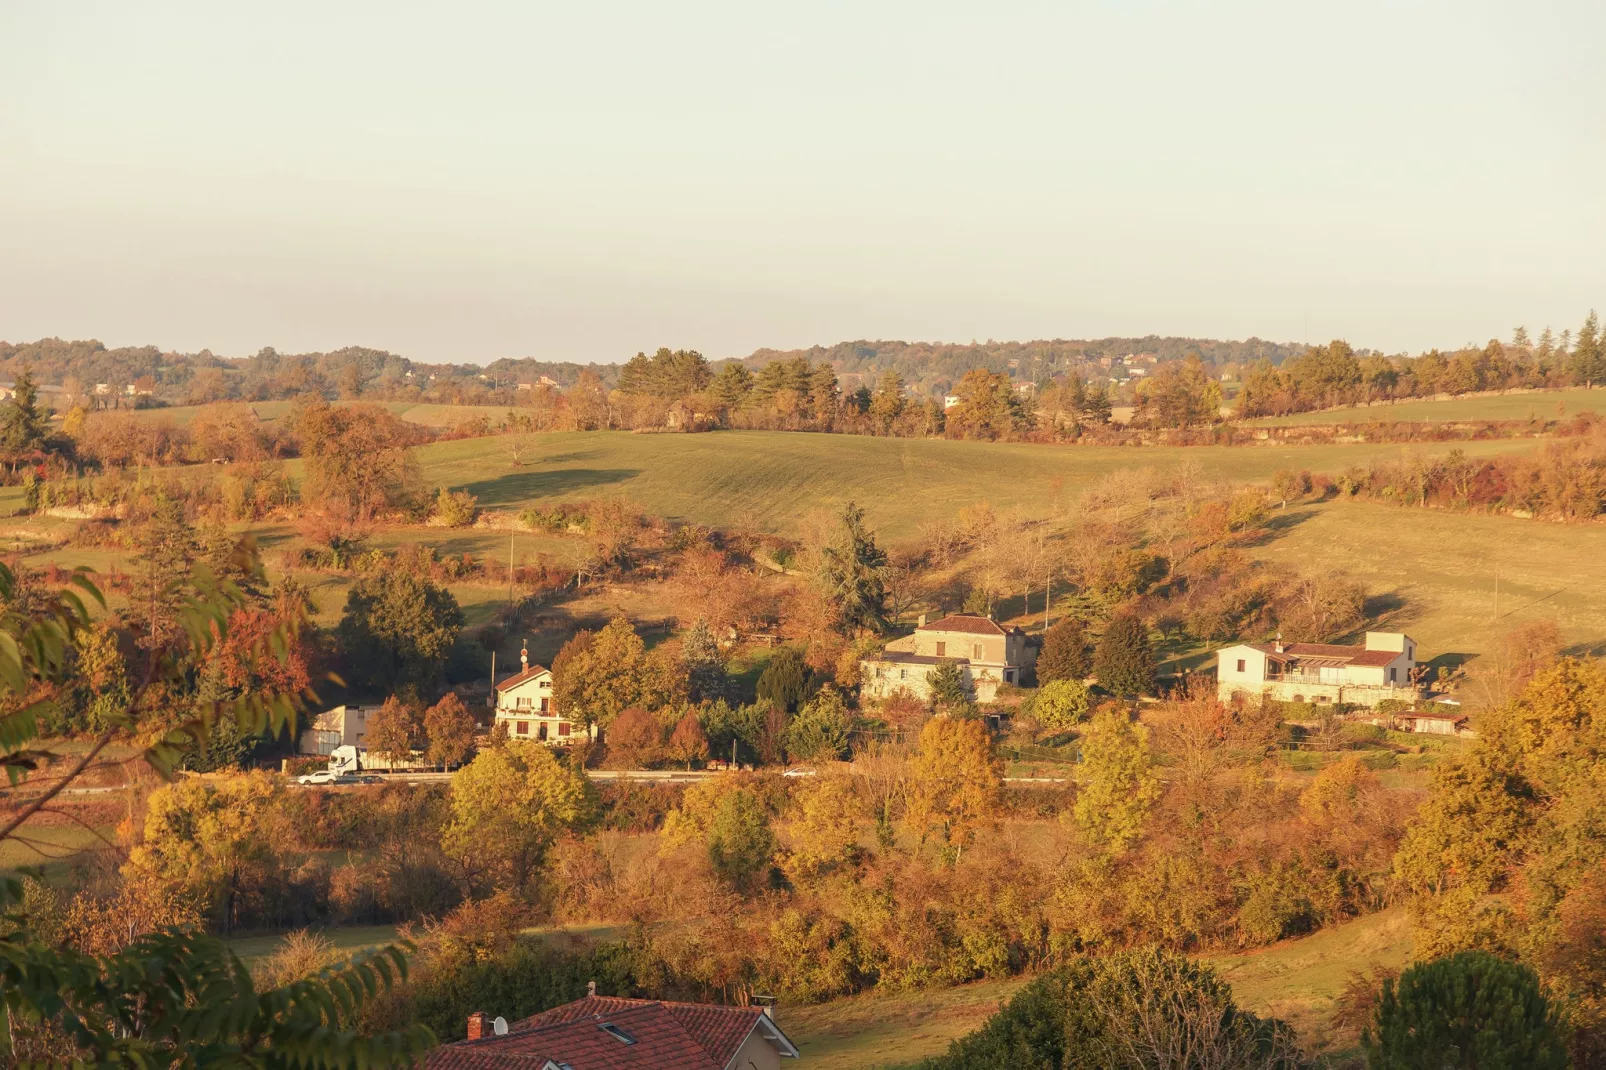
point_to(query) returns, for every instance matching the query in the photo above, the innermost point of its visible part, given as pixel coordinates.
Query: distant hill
(933, 367)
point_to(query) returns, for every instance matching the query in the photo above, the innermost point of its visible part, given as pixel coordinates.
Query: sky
(579, 181)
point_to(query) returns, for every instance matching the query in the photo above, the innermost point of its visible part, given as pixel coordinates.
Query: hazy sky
(467, 181)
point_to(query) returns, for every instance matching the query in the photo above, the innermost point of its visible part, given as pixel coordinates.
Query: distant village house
(524, 704)
(988, 655)
(1383, 668)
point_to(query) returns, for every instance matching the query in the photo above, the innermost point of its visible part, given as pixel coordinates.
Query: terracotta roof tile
(667, 1036)
(520, 677)
(964, 622)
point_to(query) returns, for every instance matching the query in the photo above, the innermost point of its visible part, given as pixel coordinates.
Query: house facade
(524, 704)
(988, 655)
(342, 726)
(1382, 668)
(606, 1033)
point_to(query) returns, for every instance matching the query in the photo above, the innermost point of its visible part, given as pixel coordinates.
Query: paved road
(648, 776)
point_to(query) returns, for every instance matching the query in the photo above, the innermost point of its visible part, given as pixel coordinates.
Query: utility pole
(510, 572)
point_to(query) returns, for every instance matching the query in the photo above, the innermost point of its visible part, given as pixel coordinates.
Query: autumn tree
(508, 806)
(635, 739)
(394, 730)
(599, 675)
(357, 457)
(398, 628)
(741, 845)
(1118, 785)
(852, 574)
(1123, 662)
(688, 743)
(449, 727)
(1066, 653)
(1061, 705)
(955, 783)
(1180, 394)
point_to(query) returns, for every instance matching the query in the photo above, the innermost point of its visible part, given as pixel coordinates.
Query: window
(523, 728)
(942, 650)
(564, 727)
(524, 703)
(1241, 667)
(616, 1033)
(975, 652)
(1394, 674)
(546, 704)
(1009, 676)
(903, 674)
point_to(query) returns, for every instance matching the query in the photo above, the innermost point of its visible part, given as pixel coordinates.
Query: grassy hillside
(1440, 569)
(1297, 980)
(1529, 405)
(771, 480)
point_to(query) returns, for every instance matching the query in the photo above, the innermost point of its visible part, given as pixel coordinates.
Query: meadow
(773, 480)
(1536, 405)
(1297, 980)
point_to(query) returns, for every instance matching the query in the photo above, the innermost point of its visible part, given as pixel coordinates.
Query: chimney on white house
(1278, 647)
(524, 656)
(922, 622)
(479, 1025)
(591, 988)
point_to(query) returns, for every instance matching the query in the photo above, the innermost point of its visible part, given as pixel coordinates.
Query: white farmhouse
(1383, 668)
(524, 704)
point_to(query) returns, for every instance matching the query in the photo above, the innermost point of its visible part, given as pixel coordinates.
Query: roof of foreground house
(609, 1033)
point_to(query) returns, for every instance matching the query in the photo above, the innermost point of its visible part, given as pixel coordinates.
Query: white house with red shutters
(524, 704)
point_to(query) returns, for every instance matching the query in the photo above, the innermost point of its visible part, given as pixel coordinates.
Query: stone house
(988, 655)
(1384, 667)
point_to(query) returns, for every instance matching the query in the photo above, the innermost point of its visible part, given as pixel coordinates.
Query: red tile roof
(667, 1036)
(964, 622)
(520, 677)
(1347, 655)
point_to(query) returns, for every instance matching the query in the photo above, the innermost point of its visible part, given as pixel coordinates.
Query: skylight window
(616, 1033)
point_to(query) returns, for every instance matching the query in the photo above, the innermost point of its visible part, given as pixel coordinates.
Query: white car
(798, 771)
(321, 776)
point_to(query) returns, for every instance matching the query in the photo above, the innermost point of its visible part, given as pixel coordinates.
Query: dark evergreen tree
(22, 425)
(1589, 353)
(1066, 653)
(853, 574)
(1471, 1009)
(1123, 660)
(947, 685)
(784, 683)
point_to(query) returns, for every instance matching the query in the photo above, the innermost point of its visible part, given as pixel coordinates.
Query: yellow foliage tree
(508, 806)
(955, 783)
(1119, 785)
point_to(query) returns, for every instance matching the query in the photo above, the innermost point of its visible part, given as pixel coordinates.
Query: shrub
(456, 509)
(1469, 1009)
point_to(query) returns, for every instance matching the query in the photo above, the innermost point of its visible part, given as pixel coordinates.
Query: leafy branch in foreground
(171, 998)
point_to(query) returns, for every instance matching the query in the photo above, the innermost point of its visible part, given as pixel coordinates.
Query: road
(645, 776)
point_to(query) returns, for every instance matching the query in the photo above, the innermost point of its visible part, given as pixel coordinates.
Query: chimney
(1279, 645)
(591, 988)
(524, 656)
(479, 1025)
(922, 622)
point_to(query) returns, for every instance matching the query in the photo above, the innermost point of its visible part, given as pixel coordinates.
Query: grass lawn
(429, 414)
(1439, 569)
(1297, 980)
(52, 848)
(763, 480)
(1540, 405)
(351, 939)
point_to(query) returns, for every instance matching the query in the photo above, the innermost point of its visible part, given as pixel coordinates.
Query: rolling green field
(1540, 405)
(770, 480)
(1296, 980)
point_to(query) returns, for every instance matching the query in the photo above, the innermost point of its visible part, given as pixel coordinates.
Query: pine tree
(853, 574)
(1519, 336)
(785, 680)
(705, 667)
(1470, 1009)
(1124, 661)
(22, 425)
(1589, 362)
